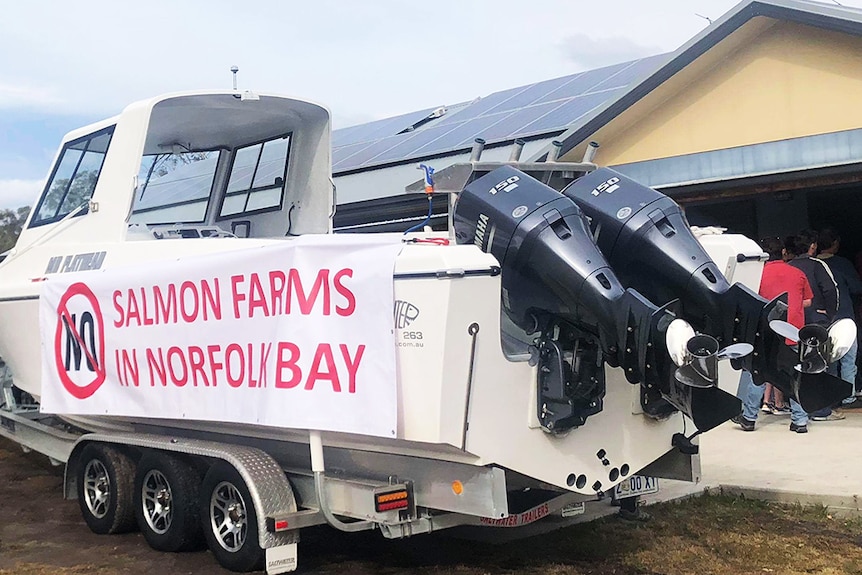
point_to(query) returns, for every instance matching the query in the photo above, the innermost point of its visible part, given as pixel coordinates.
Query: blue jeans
(847, 367)
(752, 396)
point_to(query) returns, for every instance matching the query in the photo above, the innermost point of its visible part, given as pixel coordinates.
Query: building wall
(768, 81)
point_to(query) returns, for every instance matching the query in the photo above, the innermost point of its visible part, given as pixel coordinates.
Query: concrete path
(823, 466)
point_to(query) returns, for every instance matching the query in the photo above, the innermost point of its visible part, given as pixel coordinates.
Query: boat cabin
(216, 164)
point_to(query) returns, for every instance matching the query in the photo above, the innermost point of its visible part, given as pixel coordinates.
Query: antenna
(234, 70)
(707, 18)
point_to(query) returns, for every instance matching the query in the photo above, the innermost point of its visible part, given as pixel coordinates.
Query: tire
(105, 479)
(166, 502)
(229, 520)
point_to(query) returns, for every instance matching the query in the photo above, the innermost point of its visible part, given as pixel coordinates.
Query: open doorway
(839, 208)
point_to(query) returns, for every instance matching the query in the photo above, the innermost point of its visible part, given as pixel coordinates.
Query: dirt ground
(41, 534)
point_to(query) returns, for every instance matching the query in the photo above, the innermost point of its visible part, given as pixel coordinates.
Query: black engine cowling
(557, 283)
(648, 242)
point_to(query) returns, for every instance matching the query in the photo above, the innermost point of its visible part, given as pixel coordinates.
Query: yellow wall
(768, 81)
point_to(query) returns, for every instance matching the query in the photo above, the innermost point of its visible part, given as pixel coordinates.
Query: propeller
(818, 346)
(784, 329)
(701, 369)
(735, 351)
(679, 332)
(694, 390)
(697, 356)
(813, 349)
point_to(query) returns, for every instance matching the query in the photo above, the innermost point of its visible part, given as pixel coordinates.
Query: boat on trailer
(211, 362)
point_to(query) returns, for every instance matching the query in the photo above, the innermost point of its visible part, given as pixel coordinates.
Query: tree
(11, 222)
(73, 196)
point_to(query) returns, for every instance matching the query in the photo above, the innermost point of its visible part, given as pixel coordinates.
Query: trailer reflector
(274, 525)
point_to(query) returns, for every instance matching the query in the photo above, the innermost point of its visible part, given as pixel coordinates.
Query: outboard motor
(648, 241)
(556, 283)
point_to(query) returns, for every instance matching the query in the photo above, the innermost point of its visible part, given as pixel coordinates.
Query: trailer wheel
(166, 502)
(229, 520)
(105, 476)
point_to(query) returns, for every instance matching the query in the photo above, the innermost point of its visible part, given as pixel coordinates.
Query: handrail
(49, 234)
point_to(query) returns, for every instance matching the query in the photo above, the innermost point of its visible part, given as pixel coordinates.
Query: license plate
(636, 485)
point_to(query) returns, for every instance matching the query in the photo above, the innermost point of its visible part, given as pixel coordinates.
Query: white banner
(297, 334)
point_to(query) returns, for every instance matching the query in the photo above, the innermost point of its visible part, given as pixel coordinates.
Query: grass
(712, 534)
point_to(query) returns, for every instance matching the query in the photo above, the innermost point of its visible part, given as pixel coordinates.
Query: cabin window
(174, 187)
(257, 177)
(74, 178)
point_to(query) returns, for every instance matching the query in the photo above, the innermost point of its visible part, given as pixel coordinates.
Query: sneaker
(834, 416)
(783, 410)
(798, 428)
(746, 424)
(766, 408)
(851, 403)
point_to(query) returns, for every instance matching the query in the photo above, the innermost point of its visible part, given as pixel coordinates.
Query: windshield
(174, 187)
(257, 178)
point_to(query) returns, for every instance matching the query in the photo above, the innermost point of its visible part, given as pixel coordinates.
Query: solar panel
(379, 128)
(483, 105)
(591, 78)
(383, 128)
(583, 83)
(465, 132)
(361, 133)
(343, 152)
(627, 75)
(524, 111)
(408, 147)
(364, 154)
(533, 93)
(513, 124)
(345, 136)
(569, 112)
(358, 134)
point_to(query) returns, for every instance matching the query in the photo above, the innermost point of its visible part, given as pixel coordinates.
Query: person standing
(824, 305)
(778, 277)
(802, 248)
(849, 288)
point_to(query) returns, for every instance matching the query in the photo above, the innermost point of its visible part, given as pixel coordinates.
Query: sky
(66, 64)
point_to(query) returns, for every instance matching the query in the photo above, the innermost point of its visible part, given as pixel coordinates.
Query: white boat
(515, 350)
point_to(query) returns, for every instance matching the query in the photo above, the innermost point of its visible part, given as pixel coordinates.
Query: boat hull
(460, 398)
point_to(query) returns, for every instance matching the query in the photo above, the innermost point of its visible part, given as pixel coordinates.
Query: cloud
(589, 53)
(17, 193)
(24, 96)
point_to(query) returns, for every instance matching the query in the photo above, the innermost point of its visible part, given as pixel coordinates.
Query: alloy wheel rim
(157, 501)
(228, 518)
(97, 488)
